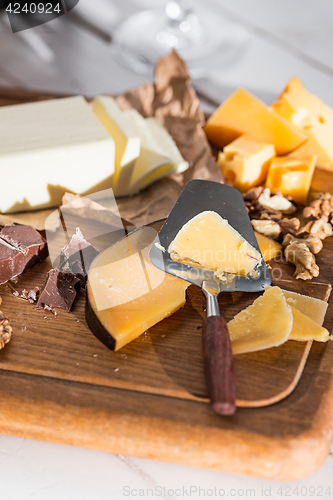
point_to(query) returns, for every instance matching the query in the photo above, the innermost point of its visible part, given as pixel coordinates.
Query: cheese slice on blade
(243, 113)
(126, 294)
(266, 323)
(209, 240)
(127, 142)
(48, 148)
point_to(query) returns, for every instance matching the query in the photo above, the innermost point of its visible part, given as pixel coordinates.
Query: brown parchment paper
(174, 102)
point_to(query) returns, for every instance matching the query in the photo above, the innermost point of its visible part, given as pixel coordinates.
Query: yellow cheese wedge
(127, 294)
(126, 141)
(315, 309)
(268, 247)
(209, 240)
(311, 116)
(243, 113)
(244, 162)
(291, 176)
(266, 323)
(305, 329)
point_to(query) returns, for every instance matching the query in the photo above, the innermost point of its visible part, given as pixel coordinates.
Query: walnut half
(5, 330)
(299, 254)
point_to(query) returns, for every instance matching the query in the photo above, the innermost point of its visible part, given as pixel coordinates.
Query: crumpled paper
(174, 102)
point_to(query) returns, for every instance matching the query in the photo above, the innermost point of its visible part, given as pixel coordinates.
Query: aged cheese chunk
(310, 115)
(127, 142)
(244, 162)
(243, 113)
(127, 294)
(266, 323)
(268, 247)
(305, 329)
(48, 148)
(291, 176)
(209, 240)
(159, 154)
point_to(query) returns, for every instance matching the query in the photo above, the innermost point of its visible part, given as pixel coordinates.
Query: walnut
(289, 225)
(320, 208)
(313, 243)
(268, 228)
(5, 329)
(257, 211)
(317, 227)
(276, 201)
(299, 254)
(253, 194)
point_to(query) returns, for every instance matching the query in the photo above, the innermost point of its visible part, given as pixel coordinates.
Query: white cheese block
(153, 162)
(127, 142)
(50, 147)
(167, 144)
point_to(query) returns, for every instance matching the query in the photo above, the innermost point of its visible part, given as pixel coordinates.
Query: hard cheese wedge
(126, 294)
(291, 176)
(243, 113)
(48, 148)
(269, 248)
(159, 155)
(266, 323)
(209, 240)
(311, 116)
(245, 161)
(276, 316)
(127, 142)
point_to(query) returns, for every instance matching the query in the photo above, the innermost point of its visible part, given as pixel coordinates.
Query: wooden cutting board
(58, 383)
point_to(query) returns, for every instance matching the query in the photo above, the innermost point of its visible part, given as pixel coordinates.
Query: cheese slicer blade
(200, 196)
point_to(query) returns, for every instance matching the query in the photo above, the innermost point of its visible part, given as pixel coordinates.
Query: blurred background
(78, 53)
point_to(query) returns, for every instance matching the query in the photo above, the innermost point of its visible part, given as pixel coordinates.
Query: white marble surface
(287, 37)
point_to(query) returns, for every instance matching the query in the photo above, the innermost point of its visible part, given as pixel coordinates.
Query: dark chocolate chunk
(21, 248)
(59, 290)
(77, 257)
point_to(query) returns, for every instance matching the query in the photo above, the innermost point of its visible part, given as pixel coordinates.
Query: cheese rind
(264, 324)
(243, 113)
(48, 148)
(209, 240)
(127, 293)
(245, 161)
(291, 176)
(311, 116)
(127, 142)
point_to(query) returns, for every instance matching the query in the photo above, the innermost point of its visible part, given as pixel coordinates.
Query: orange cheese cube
(268, 247)
(245, 161)
(311, 116)
(291, 176)
(243, 113)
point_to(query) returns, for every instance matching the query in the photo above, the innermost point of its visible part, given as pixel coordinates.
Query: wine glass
(203, 38)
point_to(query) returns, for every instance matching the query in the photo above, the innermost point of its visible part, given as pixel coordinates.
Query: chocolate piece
(59, 290)
(33, 295)
(77, 256)
(21, 248)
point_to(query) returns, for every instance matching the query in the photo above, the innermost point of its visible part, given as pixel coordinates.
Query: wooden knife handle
(219, 365)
